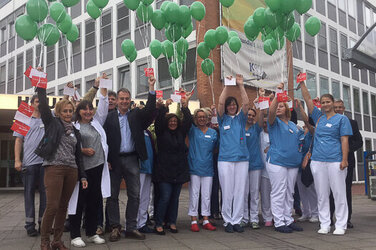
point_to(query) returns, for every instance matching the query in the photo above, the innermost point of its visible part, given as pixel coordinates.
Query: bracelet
(95, 87)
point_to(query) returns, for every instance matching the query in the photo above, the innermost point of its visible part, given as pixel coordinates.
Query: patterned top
(65, 154)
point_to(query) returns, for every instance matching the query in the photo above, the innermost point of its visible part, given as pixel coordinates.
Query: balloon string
(146, 31)
(65, 57)
(197, 42)
(40, 56)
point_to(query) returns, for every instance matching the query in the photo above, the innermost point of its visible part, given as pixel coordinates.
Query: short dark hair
(339, 100)
(253, 110)
(33, 98)
(228, 101)
(82, 105)
(125, 90)
(327, 96)
(111, 93)
(171, 115)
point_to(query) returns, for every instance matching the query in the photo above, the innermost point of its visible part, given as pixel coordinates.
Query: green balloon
(287, 6)
(232, 33)
(272, 19)
(198, 10)
(221, 35)
(287, 22)
(259, 17)
(93, 11)
(251, 30)
(210, 39)
(187, 23)
(187, 31)
(158, 19)
(26, 28)
(293, 33)
(65, 25)
(100, 3)
(132, 57)
(278, 33)
(182, 46)
(312, 26)
(274, 5)
(132, 4)
(184, 15)
(164, 5)
(48, 34)
(128, 48)
(167, 49)
(235, 44)
(182, 58)
(175, 69)
(203, 51)
(73, 33)
(173, 32)
(207, 66)
(69, 3)
(155, 48)
(280, 43)
(37, 9)
(144, 13)
(172, 12)
(302, 6)
(57, 12)
(147, 2)
(227, 3)
(270, 46)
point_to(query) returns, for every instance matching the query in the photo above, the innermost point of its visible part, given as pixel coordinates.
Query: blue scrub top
(232, 142)
(327, 146)
(306, 143)
(253, 144)
(147, 165)
(285, 144)
(201, 146)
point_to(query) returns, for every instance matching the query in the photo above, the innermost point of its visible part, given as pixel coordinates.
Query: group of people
(85, 152)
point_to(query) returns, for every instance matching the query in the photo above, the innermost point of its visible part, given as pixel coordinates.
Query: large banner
(258, 68)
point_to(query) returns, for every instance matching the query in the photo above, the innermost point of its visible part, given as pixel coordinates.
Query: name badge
(291, 131)
(146, 134)
(247, 134)
(207, 136)
(226, 127)
(72, 134)
(328, 125)
(41, 126)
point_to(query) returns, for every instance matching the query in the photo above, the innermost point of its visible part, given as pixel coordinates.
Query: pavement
(13, 235)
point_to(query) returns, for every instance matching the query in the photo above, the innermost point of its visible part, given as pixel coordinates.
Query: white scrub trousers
(328, 176)
(252, 187)
(265, 191)
(205, 184)
(145, 187)
(308, 198)
(282, 180)
(232, 178)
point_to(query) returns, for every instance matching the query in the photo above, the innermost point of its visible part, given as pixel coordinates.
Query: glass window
(332, 11)
(76, 46)
(297, 94)
(12, 30)
(346, 97)
(123, 19)
(311, 84)
(322, 37)
(320, 7)
(189, 67)
(356, 100)
(142, 80)
(373, 105)
(352, 7)
(76, 10)
(342, 5)
(365, 103)
(2, 78)
(368, 17)
(336, 92)
(90, 34)
(10, 69)
(125, 80)
(324, 85)
(3, 34)
(50, 55)
(164, 77)
(19, 69)
(106, 37)
(333, 41)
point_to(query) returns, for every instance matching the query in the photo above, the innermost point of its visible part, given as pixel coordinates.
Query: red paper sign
(26, 109)
(301, 77)
(159, 94)
(149, 72)
(20, 128)
(263, 98)
(317, 103)
(282, 97)
(182, 93)
(27, 72)
(39, 82)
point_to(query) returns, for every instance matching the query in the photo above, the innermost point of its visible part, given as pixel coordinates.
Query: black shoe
(160, 232)
(298, 211)
(135, 234)
(229, 228)
(295, 227)
(238, 228)
(283, 229)
(32, 232)
(173, 230)
(146, 230)
(350, 225)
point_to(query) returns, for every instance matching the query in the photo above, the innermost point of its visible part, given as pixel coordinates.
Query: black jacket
(355, 142)
(54, 129)
(139, 120)
(172, 162)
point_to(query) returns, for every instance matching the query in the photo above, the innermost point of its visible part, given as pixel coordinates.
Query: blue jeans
(167, 204)
(33, 176)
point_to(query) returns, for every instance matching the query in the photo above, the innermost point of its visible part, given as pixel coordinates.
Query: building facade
(98, 49)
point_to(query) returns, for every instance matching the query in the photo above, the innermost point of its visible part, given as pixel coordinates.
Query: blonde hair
(200, 110)
(288, 111)
(61, 104)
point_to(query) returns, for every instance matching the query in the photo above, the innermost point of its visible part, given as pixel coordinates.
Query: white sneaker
(78, 242)
(96, 239)
(339, 231)
(303, 218)
(324, 230)
(314, 220)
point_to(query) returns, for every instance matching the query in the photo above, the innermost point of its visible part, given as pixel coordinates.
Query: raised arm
(44, 110)
(304, 116)
(272, 109)
(188, 119)
(307, 97)
(160, 123)
(243, 94)
(222, 100)
(90, 95)
(102, 109)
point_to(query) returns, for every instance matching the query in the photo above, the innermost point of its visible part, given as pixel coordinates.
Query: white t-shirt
(264, 143)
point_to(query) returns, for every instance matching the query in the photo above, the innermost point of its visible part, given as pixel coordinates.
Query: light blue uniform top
(232, 142)
(253, 144)
(285, 144)
(201, 146)
(327, 141)
(147, 165)
(305, 147)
